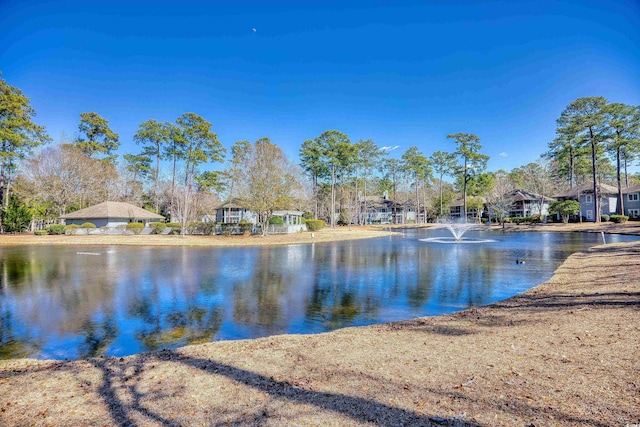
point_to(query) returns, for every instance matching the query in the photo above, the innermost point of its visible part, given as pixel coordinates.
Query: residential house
(381, 210)
(525, 204)
(111, 215)
(456, 209)
(631, 197)
(584, 195)
(233, 212)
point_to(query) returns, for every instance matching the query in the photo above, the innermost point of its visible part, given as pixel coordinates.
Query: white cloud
(503, 154)
(388, 148)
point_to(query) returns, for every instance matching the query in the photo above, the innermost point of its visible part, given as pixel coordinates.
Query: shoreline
(327, 234)
(306, 237)
(562, 353)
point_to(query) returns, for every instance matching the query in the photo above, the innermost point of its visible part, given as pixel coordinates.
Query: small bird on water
(519, 261)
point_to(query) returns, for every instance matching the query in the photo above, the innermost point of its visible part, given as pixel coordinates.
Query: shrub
(175, 227)
(315, 224)
(620, 219)
(205, 228)
(40, 232)
(72, 228)
(135, 227)
(276, 220)
(245, 226)
(533, 219)
(56, 229)
(88, 226)
(604, 218)
(226, 228)
(344, 219)
(157, 227)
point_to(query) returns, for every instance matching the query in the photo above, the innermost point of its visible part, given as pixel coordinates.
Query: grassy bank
(324, 235)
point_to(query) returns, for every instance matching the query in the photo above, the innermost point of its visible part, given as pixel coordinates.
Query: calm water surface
(73, 302)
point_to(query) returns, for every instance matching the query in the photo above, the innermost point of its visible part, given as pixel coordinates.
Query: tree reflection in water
(56, 302)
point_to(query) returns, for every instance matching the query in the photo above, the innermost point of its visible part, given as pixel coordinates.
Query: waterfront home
(584, 195)
(111, 215)
(233, 212)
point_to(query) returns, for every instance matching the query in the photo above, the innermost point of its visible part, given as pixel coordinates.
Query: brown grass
(562, 354)
(324, 235)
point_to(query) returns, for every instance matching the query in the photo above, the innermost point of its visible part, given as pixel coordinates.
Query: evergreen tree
(18, 133)
(472, 162)
(15, 216)
(96, 136)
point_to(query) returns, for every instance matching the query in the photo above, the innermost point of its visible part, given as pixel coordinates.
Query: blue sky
(401, 73)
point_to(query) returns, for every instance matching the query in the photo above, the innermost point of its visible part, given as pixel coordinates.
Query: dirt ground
(566, 353)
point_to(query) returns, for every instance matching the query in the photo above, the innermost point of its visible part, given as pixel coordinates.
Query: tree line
(336, 180)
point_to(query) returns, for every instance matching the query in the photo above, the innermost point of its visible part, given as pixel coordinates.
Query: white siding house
(234, 212)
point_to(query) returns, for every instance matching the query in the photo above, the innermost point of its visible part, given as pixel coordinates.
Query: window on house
(589, 214)
(633, 197)
(634, 213)
(588, 198)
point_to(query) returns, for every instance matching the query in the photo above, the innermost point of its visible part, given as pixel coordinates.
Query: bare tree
(67, 179)
(498, 198)
(270, 182)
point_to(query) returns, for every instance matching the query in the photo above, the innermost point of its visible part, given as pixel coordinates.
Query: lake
(70, 302)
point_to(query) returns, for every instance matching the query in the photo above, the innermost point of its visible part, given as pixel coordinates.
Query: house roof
(233, 203)
(239, 204)
(112, 210)
(521, 195)
(586, 189)
(460, 202)
(375, 202)
(632, 189)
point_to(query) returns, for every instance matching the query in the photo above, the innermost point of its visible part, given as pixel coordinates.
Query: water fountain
(458, 229)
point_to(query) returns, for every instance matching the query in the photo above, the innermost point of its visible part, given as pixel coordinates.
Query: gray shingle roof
(632, 189)
(112, 210)
(587, 189)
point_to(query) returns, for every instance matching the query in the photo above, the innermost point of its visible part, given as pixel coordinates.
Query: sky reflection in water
(75, 302)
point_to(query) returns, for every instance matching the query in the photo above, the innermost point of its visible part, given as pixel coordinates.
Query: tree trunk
(441, 213)
(417, 204)
(626, 175)
(2, 185)
(364, 191)
(395, 209)
(571, 168)
(333, 195)
(620, 209)
(464, 192)
(357, 200)
(156, 175)
(315, 193)
(173, 187)
(594, 169)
